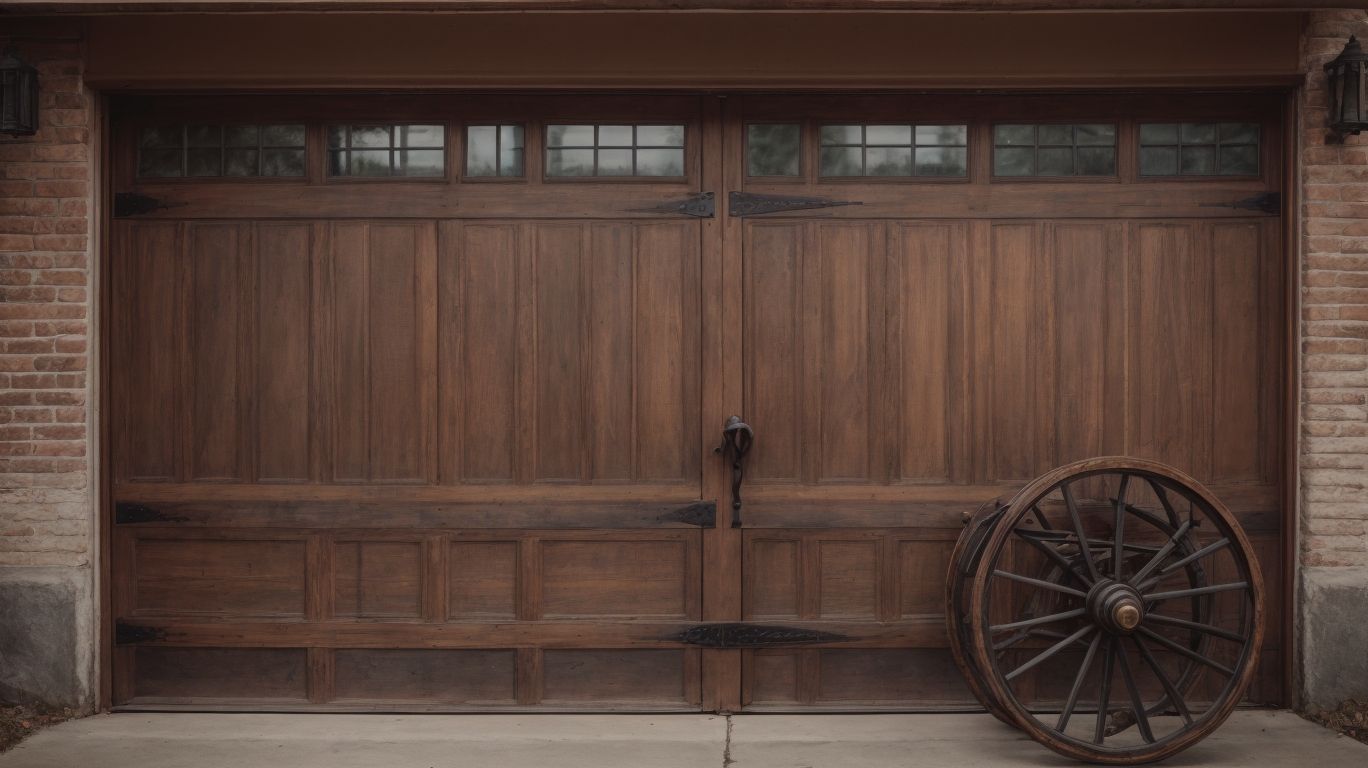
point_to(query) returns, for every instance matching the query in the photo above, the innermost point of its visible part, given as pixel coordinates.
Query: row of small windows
(772, 150)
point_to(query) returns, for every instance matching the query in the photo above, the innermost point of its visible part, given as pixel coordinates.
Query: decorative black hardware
(130, 634)
(18, 95)
(699, 206)
(1267, 202)
(128, 204)
(750, 204)
(740, 635)
(737, 438)
(700, 513)
(129, 513)
(1344, 83)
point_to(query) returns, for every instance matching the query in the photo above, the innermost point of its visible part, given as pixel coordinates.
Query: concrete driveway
(1253, 738)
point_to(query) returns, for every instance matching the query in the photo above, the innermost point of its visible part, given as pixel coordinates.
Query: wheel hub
(1116, 607)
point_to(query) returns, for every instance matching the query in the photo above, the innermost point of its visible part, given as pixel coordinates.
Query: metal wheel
(1115, 611)
(963, 561)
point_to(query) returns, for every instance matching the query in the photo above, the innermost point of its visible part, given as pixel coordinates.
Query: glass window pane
(511, 161)
(888, 161)
(942, 161)
(1159, 133)
(1095, 134)
(160, 163)
(482, 150)
(615, 162)
(203, 135)
(1240, 160)
(422, 162)
(203, 162)
(1014, 161)
(282, 162)
(660, 162)
(943, 135)
(569, 135)
(660, 136)
(1054, 161)
(1158, 161)
(282, 135)
(240, 135)
(420, 136)
(337, 135)
(1197, 160)
(1095, 161)
(370, 162)
(1008, 135)
(1199, 133)
(569, 162)
(161, 136)
(370, 136)
(511, 136)
(337, 163)
(885, 135)
(841, 161)
(240, 162)
(842, 134)
(772, 150)
(1055, 135)
(615, 136)
(1239, 133)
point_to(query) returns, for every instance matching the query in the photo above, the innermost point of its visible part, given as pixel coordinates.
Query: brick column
(46, 511)
(1334, 392)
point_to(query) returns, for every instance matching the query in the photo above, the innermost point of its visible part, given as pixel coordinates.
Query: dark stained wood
(446, 425)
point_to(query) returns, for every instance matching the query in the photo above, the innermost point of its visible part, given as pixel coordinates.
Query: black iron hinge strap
(741, 635)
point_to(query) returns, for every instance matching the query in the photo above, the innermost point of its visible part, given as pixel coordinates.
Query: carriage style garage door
(415, 399)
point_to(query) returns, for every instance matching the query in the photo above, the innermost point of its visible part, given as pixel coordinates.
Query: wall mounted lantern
(18, 96)
(1345, 81)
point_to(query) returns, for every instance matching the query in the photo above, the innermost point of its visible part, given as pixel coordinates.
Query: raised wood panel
(187, 675)
(426, 676)
(216, 256)
(1012, 373)
(659, 676)
(223, 577)
(558, 302)
(384, 313)
(282, 371)
(1239, 345)
(634, 577)
(146, 265)
(375, 579)
(774, 355)
(483, 579)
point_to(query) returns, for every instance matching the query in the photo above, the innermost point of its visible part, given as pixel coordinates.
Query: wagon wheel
(1157, 611)
(963, 561)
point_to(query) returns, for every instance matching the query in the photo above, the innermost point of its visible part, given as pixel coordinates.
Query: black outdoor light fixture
(1345, 81)
(18, 96)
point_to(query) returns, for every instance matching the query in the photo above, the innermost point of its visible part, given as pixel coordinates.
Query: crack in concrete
(726, 748)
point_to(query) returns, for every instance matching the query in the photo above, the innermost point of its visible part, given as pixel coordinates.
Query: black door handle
(737, 438)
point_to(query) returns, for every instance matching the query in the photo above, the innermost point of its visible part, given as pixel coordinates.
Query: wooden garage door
(415, 399)
(944, 297)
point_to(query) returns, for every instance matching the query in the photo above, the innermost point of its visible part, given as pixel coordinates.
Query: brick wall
(45, 187)
(1334, 521)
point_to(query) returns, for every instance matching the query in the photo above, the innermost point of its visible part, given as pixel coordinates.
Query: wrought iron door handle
(737, 438)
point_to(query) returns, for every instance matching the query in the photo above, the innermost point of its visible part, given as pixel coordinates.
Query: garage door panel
(226, 577)
(213, 675)
(630, 578)
(378, 579)
(482, 580)
(281, 371)
(658, 677)
(218, 261)
(425, 677)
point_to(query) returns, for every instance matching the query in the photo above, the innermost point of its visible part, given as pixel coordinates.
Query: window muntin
(387, 150)
(614, 150)
(494, 151)
(1026, 150)
(1199, 149)
(210, 151)
(894, 150)
(774, 149)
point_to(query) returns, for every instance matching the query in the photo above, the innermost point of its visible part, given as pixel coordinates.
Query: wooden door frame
(720, 388)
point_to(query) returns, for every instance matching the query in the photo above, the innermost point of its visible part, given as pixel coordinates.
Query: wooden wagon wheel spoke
(1098, 599)
(1170, 692)
(1072, 700)
(1051, 651)
(1050, 585)
(1208, 590)
(1137, 703)
(1077, 521)
(1224, 634)
(1188, 652)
